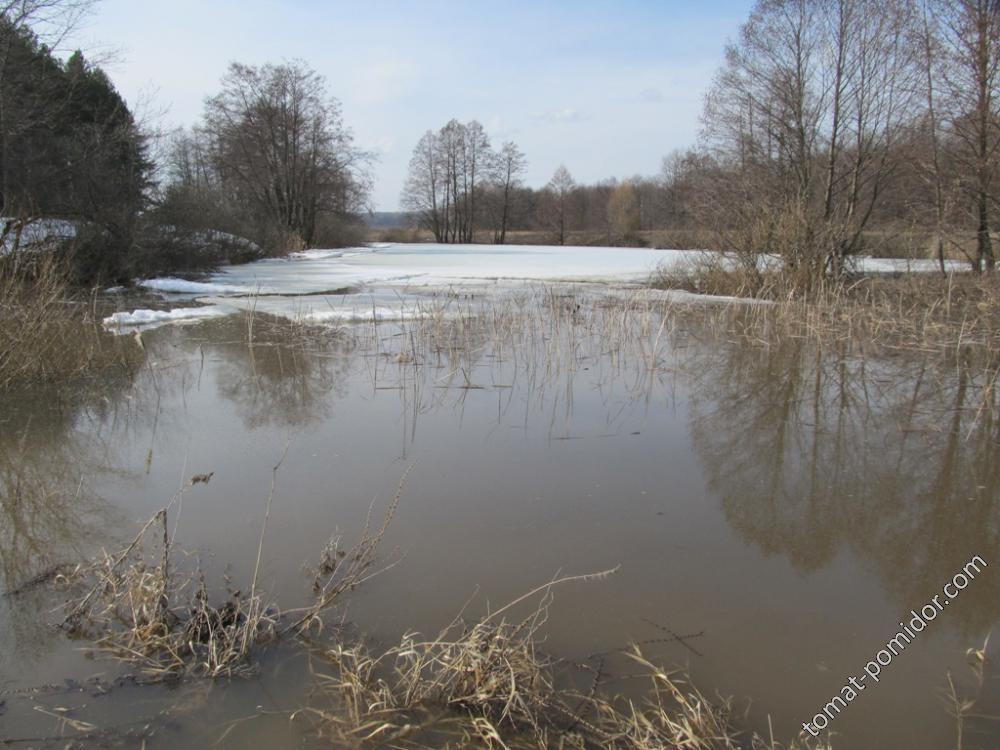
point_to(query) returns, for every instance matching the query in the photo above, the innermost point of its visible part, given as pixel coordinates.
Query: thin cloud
(499, 129)
(652, 95)
(565, 115)
(382, 145)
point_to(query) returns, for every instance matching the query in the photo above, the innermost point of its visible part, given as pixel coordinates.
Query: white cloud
(567, 114)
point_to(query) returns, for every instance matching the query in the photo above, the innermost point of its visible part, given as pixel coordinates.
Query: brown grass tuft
(47, 334)
(488, 684)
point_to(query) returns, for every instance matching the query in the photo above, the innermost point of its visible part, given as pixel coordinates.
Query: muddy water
(784, 505)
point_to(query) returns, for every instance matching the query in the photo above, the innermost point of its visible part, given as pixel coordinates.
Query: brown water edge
(791, 503)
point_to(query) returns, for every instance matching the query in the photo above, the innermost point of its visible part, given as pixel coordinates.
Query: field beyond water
(571, 491)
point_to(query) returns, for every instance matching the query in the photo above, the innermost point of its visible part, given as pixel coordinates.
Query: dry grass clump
(489, 684)
(341, 570)
(743, 275)
(708, 274)
(46, 335)
(482, 681)
(139, 608)
(958, 316)
(673, 714)
(136, 609)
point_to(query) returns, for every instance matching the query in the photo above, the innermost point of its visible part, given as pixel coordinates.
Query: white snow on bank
(182, 286)
(430, 265)
(907, 265)
(402, 266)
(215, 235)
(390, 282)
(150, 318)
(315, 254)
(326, 254)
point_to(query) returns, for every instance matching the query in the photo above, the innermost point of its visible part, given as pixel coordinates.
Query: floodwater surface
(784, 505)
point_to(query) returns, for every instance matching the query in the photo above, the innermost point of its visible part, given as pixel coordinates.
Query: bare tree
(969, 35)
(281, 146)
(558, 193)
(506, 173)
(425, 192)
(477, 157)
(806, 116)
(930, 165)
(51, 20)
(452, 173)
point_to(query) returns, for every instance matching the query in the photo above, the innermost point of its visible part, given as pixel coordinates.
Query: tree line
(270, 167)
(458, 184)
(460, 189)
(835, 121)
(832, 128)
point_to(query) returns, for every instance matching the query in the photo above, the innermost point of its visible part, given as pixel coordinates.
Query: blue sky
(606, 88)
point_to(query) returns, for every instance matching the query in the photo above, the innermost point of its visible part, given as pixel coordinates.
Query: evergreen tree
(70, 148)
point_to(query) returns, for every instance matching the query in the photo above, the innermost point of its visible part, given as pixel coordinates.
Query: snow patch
(345, 315)
(150, 318)
(907, 265)
(182, 286)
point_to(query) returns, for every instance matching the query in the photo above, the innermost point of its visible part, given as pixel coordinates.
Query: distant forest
(832, 129)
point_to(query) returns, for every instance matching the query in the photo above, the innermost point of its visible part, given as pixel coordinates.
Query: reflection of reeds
(45, 334)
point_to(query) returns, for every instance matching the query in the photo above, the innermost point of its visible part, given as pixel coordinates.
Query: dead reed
(47, 333)
(489, 684)
(957, 315)
(140, 607)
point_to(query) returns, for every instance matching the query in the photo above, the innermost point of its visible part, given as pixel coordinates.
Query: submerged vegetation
(49, 332)
(142, 610)
(489, 684)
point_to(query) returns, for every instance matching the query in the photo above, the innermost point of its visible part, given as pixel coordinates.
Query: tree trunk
(984, 247)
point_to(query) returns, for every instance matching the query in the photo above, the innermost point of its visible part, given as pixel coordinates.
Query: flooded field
(771, 509)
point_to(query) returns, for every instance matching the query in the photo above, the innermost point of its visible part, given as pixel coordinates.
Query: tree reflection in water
(50, 454)
(817, 449)
(279, 380)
